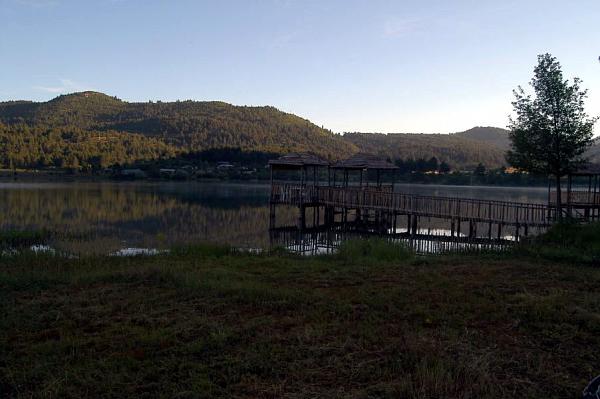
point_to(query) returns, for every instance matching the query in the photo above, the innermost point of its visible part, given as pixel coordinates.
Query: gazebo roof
(364, 161)
(298, 160)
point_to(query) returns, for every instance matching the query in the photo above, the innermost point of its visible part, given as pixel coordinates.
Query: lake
(105, 217)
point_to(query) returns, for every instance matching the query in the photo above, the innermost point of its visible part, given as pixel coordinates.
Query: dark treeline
(254, 159)
(199, 159)
(496, 177)
(431, 165)
(433, 171)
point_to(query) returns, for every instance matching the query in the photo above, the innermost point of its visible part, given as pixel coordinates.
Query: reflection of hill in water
(119, 215)
(103, 217)
(222, 196)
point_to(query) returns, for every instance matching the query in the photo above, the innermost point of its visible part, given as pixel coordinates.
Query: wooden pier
(365, 199)
(383, 208)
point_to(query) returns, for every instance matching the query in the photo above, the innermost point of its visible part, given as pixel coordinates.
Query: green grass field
(373, 321)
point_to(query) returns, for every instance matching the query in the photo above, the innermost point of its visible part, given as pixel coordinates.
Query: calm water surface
(106, 217)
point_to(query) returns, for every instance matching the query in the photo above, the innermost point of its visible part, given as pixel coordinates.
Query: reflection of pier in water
(321, 240)
(364, 202)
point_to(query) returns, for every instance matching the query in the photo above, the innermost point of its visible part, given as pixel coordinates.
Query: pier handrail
(465, 208)
(497, 211)
(579, 197)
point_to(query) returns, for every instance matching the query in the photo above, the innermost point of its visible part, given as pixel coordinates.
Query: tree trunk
(559, 215)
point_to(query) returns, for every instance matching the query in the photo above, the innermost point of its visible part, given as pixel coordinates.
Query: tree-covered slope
(187, 125)
(24, 146)
(490, 135)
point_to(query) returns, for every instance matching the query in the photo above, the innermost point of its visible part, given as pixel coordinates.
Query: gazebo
(302, 163)
(582, 196)
(361, 164)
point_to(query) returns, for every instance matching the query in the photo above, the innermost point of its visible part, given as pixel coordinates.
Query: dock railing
(477, 210)
(576, 198)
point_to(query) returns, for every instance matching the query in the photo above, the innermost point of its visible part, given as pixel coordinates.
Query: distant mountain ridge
(488, 134)
(92, 126)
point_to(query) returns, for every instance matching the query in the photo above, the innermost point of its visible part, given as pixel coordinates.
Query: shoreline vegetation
(237, 174)
(373, 320)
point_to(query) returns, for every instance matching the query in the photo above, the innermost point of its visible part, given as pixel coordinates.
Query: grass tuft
(566, 242)
(373, 249)
(203, 250)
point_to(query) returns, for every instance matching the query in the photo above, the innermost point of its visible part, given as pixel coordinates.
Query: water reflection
(110, 217)
(320, 241)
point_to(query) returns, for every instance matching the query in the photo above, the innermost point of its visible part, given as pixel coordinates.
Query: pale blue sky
(350, 65)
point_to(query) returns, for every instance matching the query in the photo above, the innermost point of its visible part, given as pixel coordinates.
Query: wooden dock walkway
(387, 205)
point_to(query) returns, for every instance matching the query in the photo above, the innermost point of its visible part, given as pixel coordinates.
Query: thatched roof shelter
(365, 161)
(297, 161)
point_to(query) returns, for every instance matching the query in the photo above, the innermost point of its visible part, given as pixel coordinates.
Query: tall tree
(551, 130)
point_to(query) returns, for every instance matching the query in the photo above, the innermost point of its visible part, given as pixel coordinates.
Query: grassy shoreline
(372, 321)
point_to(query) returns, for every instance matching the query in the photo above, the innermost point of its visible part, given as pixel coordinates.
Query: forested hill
(182, 126)
(95, 130)
(490, 135)
(485, 145)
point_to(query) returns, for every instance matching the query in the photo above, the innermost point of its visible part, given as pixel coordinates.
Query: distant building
(224, 165)
(166, 172)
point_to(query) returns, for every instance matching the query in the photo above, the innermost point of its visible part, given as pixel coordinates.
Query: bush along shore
(372, 321)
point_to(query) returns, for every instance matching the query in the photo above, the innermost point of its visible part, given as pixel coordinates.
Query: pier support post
(415, 224)
(318, 217)
(271, 215)
(302, 219)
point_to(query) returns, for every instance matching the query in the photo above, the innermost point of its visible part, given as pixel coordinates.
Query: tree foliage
(23, 146)
(551, 130)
